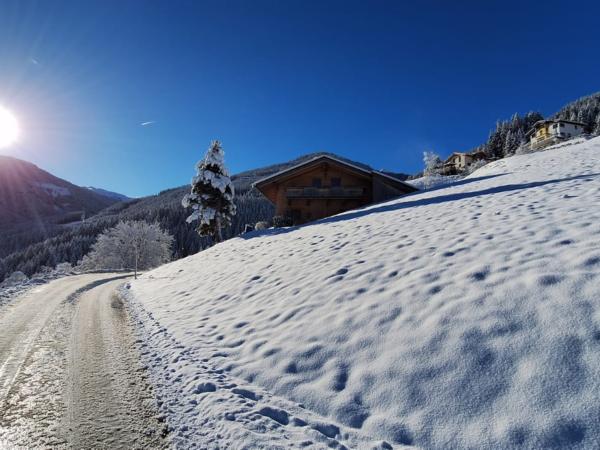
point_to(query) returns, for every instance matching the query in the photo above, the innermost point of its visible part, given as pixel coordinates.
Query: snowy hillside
(31, 198)
(109, 194)
(465, 316)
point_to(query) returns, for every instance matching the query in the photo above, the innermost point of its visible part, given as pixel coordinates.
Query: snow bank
(462, 317)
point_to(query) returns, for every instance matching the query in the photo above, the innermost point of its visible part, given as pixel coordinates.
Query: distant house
(547, 132)
(325, 186)
(460, 161)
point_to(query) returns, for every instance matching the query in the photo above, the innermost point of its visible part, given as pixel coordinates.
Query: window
(316, 182)
(555, 126)
(336, 182)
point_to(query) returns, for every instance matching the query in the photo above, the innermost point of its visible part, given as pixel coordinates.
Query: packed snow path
(69, 372)
(466, 316)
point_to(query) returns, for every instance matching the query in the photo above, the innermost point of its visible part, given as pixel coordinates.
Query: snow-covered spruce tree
(211, 198)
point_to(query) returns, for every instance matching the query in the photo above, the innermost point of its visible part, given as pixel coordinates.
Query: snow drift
(466, 316)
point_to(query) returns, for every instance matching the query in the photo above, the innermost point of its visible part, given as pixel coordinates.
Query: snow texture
(18, 283)
(434, 181)
(466, 316)
(52, 189)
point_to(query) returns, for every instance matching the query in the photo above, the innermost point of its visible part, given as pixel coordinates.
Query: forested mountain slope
(33, 198)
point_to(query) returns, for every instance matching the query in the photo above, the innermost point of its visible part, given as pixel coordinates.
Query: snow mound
(466, 316)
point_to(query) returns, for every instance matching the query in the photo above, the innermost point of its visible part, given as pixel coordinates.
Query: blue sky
(375, 81)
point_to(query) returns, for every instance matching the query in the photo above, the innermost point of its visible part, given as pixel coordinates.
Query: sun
(9, 128)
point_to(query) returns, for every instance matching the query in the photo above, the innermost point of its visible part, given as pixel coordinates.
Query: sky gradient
(126, 95)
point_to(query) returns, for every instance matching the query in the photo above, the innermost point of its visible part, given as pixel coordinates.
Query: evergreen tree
(510, 143)
(597, 126)
(211, 197)
(495, 145)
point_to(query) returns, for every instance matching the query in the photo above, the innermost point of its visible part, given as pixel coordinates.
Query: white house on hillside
(458, 162)
(547, 132)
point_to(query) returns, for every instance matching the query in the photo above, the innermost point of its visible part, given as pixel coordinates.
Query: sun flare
(9, 128)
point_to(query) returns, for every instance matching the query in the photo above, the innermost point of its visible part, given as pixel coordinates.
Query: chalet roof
(362, 169)
(545, 121)
(447, 160)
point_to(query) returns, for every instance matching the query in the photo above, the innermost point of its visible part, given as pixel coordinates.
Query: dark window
(316, 182)
(336, 182)
(555, 126)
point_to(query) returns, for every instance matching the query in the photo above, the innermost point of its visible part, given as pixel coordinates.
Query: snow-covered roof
(336, 160)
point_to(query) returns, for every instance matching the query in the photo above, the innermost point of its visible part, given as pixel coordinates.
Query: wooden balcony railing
(331, 192)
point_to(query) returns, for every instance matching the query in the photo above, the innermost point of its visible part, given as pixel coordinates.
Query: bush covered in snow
(64, 268)
(476, 165)
(263, 225)
(15, 278)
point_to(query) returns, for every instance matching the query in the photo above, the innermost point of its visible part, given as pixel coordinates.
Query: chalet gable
(325, 186)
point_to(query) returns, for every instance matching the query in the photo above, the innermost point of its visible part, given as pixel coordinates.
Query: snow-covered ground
(462, 317)
(434, 181)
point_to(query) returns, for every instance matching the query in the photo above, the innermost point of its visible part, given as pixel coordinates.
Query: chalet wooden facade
(325, 186)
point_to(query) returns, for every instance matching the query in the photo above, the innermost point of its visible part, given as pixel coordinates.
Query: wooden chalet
(325, 186)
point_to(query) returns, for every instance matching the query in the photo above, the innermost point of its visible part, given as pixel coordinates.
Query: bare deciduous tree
(135, 245)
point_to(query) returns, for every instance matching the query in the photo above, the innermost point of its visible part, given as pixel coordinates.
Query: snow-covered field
(462, 317)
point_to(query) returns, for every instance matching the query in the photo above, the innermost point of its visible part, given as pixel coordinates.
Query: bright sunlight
(9, 128)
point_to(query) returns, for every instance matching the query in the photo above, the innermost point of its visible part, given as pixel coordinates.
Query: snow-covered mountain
(110, 194)
(31, 198)
(465, 316)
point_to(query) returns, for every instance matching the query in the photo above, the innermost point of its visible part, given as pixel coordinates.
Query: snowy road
(70, 375)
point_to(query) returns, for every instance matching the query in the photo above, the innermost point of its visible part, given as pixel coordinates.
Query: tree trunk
(218, 233)
(136, 264)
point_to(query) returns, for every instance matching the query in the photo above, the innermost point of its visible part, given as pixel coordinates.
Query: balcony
(331, 192)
